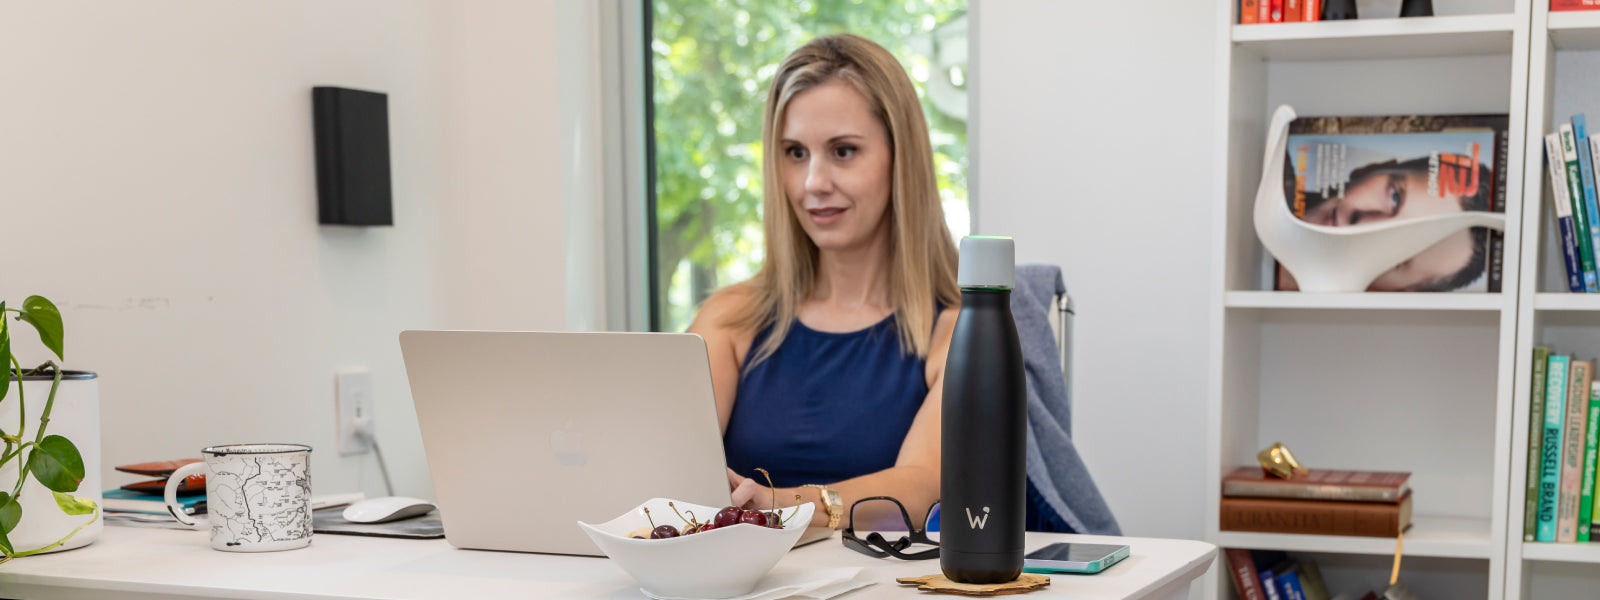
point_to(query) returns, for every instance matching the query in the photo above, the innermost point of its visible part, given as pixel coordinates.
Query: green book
(1591, 444)
(1530, 514)
(1580, 213)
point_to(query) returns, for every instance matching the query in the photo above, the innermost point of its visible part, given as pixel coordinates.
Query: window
(711, 62)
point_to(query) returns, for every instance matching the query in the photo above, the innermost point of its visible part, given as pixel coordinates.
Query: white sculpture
(1323, 258)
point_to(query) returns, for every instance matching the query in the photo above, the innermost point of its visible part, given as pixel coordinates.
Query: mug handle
(173, 482)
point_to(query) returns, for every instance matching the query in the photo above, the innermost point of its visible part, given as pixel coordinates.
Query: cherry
(663, 532)
(729, 515)
(753, 517)
(707, 527)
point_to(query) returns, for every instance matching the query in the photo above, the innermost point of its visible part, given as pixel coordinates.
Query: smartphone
(1073, 558)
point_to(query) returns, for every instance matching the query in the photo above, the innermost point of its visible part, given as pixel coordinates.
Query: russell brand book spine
(1572, 436)
(1556, 161)
(1367, 519)
(1580, 213)
(1530, 516)
(1555, 395)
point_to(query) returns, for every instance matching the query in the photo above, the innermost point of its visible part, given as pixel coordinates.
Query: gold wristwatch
(832, 502)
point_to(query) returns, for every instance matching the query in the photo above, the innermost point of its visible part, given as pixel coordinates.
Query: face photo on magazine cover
(1346, 180)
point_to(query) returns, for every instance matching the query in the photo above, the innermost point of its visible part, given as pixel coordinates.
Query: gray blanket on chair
(1053, 462)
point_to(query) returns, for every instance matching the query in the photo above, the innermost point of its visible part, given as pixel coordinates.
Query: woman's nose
(819, 180)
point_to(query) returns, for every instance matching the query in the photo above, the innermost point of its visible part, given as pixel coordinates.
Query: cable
(363, 428)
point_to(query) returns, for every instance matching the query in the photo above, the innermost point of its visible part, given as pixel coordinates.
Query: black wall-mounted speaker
(352, 139)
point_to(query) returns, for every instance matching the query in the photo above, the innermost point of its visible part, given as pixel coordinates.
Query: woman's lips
(825, 216)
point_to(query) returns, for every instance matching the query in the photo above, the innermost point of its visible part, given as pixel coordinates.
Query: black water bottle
(983, 481)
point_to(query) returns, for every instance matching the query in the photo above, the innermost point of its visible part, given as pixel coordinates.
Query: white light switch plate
(354, 401)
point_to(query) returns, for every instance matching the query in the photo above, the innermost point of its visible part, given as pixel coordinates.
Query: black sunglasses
(877, 546)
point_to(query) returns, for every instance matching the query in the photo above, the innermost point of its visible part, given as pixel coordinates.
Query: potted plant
(40, 473)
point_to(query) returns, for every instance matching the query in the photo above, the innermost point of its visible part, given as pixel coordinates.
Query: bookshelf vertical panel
(1247, 130)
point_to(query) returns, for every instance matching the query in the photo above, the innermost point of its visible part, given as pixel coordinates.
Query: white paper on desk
(819, 584)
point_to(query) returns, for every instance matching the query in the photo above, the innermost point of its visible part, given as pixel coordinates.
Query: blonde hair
(922, 256)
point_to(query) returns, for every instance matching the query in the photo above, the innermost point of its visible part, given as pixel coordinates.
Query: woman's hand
(749, 495)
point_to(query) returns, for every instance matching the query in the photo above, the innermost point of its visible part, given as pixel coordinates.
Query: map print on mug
(258, 496)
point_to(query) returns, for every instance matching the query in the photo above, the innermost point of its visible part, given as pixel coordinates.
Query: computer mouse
(385, 509)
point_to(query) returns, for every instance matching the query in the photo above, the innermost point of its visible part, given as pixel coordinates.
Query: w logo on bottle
(977, 522)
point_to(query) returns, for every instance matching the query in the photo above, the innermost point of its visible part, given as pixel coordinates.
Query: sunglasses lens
(878, 514)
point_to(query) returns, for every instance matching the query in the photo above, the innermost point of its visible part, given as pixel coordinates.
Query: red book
(1245, 577)
(1561, 5)
(1319, 517)
(1318, 484)
(1248, 11)
(1275, 12)
(1264, 11)
(1313, 10)
(1294, 11)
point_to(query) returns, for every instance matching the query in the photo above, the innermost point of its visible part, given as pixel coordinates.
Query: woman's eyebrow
(837, 138)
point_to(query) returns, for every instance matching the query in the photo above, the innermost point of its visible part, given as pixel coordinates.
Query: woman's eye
(844, 151)
(1397, 197)
(796, 153)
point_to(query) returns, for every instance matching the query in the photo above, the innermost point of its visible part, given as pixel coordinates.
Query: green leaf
(74, 505)
(10, 513)
(55, 462)
(42, 314)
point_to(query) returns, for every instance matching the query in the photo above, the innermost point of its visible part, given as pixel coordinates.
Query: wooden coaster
(1023, 584)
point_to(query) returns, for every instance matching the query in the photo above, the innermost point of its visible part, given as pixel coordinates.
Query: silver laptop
(527, 433)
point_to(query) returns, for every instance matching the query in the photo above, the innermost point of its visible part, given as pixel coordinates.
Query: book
(1288, 576)
(1561, 5)
(120, 500)
(1345, 171)
(1573, 425)
(1275, 12)
(1530, 509)
(1580, 141)
(1555, 396)
(1324, 517)
(1242, 568)
(1318, 484)
(1294, 11)
(1313, 10)
(1311, 579)
(1264, 11)
(1556, 163)
(1247, 12)
(1265, 560)
(1580, 213)
(1591, 443)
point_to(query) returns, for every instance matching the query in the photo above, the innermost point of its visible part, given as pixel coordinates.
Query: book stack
(1280, 11)
(1318, 501)
(1563, 431)
(1570, 153)
(1274, 575)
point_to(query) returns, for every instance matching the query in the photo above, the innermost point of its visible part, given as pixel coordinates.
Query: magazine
(1343, 171)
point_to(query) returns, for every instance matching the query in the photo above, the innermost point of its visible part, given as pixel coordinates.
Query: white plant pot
(75, 416)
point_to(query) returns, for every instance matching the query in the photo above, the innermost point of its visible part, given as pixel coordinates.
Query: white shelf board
(1367, 301)
(1569, 552)
(1567, 301)
(1575, 30)
(1362, 39)
(1443, 537)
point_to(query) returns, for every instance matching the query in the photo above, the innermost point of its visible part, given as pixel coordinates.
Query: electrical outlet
(353, 400)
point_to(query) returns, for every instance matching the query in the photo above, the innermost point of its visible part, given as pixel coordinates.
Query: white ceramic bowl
(720, 563)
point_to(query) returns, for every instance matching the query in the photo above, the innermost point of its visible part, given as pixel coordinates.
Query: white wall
(1092, 142)
(158, 184)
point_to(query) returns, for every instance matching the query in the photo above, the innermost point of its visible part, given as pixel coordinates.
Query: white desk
(133, 563)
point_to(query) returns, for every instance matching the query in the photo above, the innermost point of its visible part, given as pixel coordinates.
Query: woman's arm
(726, 346)
(913, 480)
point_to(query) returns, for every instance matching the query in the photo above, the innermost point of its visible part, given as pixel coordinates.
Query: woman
(828, 364)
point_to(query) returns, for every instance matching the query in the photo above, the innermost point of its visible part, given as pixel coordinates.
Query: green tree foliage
(712, 61)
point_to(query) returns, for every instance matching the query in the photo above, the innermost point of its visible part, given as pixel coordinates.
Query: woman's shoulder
(717, 310)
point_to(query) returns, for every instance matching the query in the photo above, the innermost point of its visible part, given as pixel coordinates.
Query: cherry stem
(689, 520)
(647, 518)
(774, 489)
(785, 520)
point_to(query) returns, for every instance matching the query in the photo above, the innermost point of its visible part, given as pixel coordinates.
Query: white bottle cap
(987, 261)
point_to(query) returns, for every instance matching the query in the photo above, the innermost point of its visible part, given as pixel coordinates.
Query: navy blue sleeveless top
(825, 407)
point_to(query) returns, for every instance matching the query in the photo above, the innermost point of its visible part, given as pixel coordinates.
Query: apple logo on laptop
(567, 443)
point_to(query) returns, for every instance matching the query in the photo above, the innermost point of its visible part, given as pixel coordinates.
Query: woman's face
(834, 159)
(1401, 194)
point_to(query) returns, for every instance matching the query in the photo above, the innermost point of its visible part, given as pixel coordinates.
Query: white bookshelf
(1563, 78)
(1380, 381)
